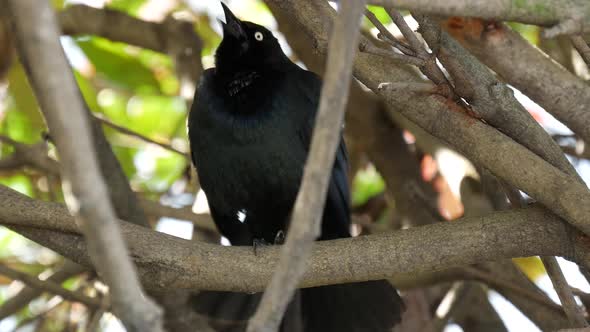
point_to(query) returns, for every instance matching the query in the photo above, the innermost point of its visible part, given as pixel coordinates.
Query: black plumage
(250, 128)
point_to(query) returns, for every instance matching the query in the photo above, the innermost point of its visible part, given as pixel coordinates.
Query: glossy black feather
(250, 129)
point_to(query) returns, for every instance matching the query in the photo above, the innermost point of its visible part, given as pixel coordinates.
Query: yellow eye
(258, 36)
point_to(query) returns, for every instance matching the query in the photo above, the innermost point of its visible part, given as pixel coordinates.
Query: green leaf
(529, 32)
(23, 121)
(120, 64)
(366, 184)
(20, 183)
(381, 16)
(130, 7)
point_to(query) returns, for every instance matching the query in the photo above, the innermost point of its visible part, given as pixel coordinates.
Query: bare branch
(369, 48)
(446, 306)
(529, 70)
(582, 48)
(50, 286)
(202, 221)
(490, 99)
(570, 17)
(410, 36)
(572, 310)
(27, 294)
(309, 205)
(410, 87)
(86, 193)
(388, 36)
(167, 262)
(130, 132)
(34, 155)
(496, 281)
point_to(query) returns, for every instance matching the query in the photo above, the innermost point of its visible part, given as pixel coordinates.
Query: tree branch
(309, 205)
(50, 286)
(130, 132)
(571, 17)
(529, 70)
(27, 294)
(564, 291)
(490, 99)
(446, 120)
(167, 262)
(582, 48)
(86, 193)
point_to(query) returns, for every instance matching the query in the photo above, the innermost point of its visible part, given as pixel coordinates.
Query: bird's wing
(336, 221)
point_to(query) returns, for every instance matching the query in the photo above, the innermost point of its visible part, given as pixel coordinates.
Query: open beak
(232, 26)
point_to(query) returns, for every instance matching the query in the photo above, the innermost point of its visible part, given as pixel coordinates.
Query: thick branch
(540, 12)
(490, 99)
(529, 70)
(86, 193)
(309, 205)
(167, 262)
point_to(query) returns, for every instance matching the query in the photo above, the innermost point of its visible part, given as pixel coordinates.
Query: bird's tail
(354, 307)
(230, 311)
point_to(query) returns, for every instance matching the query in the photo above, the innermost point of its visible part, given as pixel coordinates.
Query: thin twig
(85, 189)
(49, 286)
(202, 221)
(132, 133)
(39, 316)
(387, 36)
(429, 67)
(411, 87)
(572, 310)
(367, 47)
(445, 308)
(495, 281)
(27, 294)
(93, 324)
(8, 140)
(309, 205)
(582, 48)
(562, 288)
(568, 26)
(415, 43)
(32, 155)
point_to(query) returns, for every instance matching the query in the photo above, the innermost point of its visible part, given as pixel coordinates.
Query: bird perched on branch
(250, 129)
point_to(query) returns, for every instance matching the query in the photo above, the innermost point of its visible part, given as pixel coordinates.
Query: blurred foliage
(529, 32)
(381, 15)
(366, 184)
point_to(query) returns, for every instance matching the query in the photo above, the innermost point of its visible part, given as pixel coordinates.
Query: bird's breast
(255, 169)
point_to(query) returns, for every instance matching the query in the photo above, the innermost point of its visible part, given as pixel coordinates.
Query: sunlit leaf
(130, 7)
(366, 184)
(531, 266)
(529, 32)
(23, 121)
(119, 64)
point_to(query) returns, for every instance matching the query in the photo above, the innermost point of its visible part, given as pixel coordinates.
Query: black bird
(250, 128)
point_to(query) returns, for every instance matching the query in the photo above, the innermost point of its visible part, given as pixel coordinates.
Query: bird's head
(247, 46)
